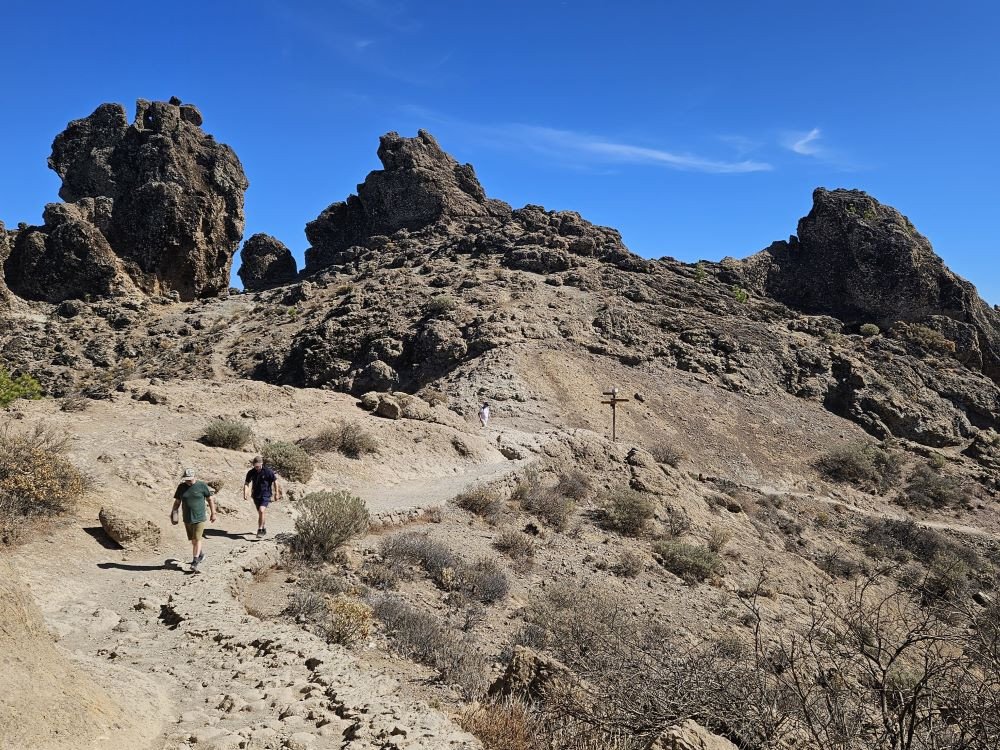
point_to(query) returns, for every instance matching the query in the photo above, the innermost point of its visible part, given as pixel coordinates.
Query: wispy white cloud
(805, 144)
(581, 149)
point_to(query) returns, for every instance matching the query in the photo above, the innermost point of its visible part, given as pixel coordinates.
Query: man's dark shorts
(261, 502)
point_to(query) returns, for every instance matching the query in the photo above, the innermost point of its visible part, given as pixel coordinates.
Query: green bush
(289, 460)
(929, 339)
(629, 512)
(863, 465)
(869, 329)
(22, 386)
(326, 521)
(227, 433)
(690, 562)
(740, 294)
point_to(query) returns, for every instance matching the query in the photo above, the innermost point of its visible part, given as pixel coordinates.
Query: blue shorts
(262, 502)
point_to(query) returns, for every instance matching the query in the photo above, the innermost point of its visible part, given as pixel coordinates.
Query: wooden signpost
(613, 400)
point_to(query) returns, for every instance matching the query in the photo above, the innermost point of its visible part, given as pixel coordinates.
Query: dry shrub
(348, 438)
(433, 396)
(422, 637)
(482, 501)
(74, 403)
(36, 479)
(289, 460)
(864, 465)
(629, 564)
(227, 433)
(929, 488)
(665, 453)
(380, 576)
(690, 562)
(503, 725)
(677, 521)
(305, 605)
(628, 512)
(573, 484)
(718, 538)
(414, 548)
(326, 521)
(348, 620)
(484, 579)
(515, 544)
(547, 503)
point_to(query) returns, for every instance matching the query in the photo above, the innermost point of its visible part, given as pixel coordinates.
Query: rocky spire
(157, 205)
(420, 185)
(864, 262)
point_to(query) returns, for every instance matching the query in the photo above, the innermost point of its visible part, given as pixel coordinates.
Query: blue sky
(697, 129)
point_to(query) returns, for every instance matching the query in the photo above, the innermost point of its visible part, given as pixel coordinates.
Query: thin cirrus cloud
(580, 149)
(806, 144)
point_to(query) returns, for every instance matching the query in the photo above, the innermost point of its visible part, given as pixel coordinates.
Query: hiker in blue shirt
(261, 485)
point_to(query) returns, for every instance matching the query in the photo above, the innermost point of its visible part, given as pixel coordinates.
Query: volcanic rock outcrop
(265, 262)
(157, 205)
(5, 237)
(863, 262)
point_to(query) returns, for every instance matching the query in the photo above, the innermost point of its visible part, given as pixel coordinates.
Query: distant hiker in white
(484, 414)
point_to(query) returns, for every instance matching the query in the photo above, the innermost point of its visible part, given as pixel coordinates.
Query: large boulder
(130, 533)
(157, 203)
(419, 185)
(690, 735)
(532, 676)
(265, 262)
(863, 262)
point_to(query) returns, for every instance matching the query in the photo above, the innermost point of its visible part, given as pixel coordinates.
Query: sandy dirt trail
(224, 678)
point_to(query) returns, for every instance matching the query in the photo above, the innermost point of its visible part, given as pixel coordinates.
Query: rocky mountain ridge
(422, 281)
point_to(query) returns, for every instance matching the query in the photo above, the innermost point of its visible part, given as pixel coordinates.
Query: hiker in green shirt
(191, 495)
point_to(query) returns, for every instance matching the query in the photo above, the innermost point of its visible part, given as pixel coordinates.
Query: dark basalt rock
(162, 201)
(420, 185)
(265, 263)
(5, 242)
(863, 262)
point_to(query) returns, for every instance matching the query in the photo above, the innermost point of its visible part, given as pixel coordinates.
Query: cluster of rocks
(153, 206)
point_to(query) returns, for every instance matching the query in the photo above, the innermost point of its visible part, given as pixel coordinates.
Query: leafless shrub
(515, 544)
(573, 484)
(484, 579)
(74, 403)
(482, 501)
(718, 538)
(628, 565)
(677, 521)
(414, 548)
(665, 453)
(36, 479)
(504, 725)
(929, 488)
(380, 576)
(305, 604)
(547, 503)
(424, 638)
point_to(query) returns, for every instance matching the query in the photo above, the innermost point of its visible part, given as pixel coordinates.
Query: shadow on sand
(168, 564)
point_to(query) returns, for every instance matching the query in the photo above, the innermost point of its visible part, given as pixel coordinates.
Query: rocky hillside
(818, 410)
(420, 280)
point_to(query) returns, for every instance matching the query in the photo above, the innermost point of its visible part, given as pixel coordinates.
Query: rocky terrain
(420, 298)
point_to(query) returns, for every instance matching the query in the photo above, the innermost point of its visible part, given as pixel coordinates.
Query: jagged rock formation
(863, 262)
(4, 252)
(157, 205)
(420, 185)
(265, 262)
